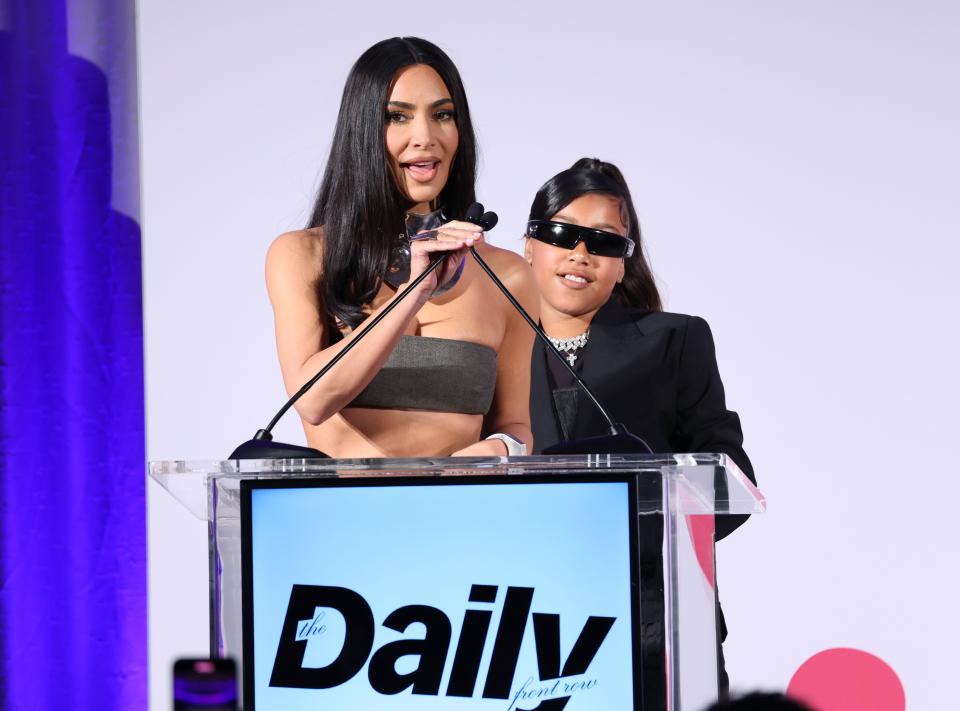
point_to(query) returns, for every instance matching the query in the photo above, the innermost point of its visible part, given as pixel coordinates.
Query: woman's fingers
(453, 232)
(422, 253)
(454, 239)
(461, 227)
(436, 245)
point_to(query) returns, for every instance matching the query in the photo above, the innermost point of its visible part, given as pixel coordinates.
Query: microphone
(618, 440)
(485, 220)
(262, 445)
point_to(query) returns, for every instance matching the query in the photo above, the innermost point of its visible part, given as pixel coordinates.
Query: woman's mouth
(422, 172)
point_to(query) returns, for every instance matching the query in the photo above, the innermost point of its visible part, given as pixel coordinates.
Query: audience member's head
(759, 701)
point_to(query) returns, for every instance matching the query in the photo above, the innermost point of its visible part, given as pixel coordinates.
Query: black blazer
(656, 373)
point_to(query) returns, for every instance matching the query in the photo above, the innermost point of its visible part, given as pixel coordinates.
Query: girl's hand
(453, 238)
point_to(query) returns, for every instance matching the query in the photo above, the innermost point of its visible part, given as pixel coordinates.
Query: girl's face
(573, 283)
(421, 133)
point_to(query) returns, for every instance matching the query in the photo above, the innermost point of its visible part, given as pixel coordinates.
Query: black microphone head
(474, 213)
(488, 221)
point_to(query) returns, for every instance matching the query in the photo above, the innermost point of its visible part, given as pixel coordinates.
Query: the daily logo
(303, 623)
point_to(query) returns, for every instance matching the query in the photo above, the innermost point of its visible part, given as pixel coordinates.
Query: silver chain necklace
(570, 345)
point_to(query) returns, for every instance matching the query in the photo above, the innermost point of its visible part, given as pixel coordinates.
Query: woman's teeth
(574, 278)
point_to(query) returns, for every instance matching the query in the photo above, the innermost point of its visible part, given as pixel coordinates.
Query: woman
(655, 372)
(434, 377)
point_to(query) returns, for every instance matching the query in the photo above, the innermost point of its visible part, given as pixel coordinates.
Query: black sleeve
(704, 424)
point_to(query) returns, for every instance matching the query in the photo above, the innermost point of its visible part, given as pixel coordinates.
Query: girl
(656, 372)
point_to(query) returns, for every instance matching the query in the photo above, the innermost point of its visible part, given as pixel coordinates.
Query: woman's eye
(396, 116)
(445, 115)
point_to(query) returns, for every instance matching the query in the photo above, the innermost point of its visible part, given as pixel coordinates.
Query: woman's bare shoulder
(296, 252)
(294, 266)
(509, 266)
(297, 244)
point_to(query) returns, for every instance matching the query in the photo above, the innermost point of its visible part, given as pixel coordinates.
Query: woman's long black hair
(591, 175)
(359, 204)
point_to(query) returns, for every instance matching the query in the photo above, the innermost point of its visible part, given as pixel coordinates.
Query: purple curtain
(72, 506)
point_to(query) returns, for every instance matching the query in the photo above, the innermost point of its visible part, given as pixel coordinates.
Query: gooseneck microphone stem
(264, 434)
(612, 427)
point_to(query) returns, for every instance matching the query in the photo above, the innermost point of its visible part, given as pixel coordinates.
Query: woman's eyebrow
(408, 105)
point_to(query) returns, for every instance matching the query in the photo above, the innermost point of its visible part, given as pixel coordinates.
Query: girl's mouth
(574, 281)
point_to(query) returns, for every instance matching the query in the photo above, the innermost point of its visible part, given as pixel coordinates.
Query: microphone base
(621, 443)
(268, 449)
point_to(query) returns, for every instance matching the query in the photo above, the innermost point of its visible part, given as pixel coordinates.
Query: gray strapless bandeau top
(441, 374)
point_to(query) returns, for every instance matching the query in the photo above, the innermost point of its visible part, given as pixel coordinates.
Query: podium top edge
(438, 465)
(189, 481)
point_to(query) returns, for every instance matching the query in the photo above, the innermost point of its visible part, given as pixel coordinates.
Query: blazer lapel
(608, 351)
(542, 418)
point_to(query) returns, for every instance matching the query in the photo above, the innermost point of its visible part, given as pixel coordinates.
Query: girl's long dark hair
(591, 175)
(359, 205)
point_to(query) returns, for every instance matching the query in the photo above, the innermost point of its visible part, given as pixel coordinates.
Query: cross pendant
(571, 359)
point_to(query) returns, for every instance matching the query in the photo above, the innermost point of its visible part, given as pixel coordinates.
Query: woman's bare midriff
(360, 432)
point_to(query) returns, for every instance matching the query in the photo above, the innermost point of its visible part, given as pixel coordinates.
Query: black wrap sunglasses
(567, 236)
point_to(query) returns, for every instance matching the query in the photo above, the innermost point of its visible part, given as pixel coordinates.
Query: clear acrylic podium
(671, 500)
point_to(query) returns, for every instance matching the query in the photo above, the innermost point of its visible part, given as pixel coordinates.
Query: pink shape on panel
(701, 527)
(843, 679)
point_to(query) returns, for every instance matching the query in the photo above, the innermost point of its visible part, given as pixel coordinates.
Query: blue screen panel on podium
(490, 592)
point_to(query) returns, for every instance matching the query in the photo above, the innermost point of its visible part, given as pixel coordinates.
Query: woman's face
(574, 283)
(421, 133)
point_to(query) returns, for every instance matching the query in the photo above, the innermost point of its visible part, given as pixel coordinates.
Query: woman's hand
(453, 238)
(483, 448)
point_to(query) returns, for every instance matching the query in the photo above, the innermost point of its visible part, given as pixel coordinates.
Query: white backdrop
(796, 167)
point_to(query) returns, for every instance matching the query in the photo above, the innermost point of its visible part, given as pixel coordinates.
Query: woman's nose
(422, 135)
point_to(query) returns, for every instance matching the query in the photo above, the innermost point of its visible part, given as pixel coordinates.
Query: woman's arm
(293, 267)
(510, 411)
